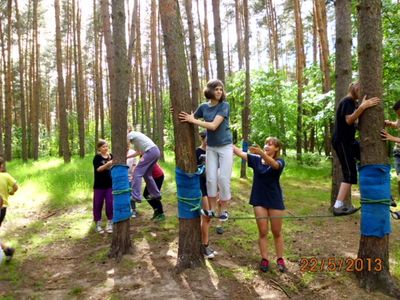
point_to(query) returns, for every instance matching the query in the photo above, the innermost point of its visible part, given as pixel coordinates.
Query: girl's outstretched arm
(185, 117)
(239, 153)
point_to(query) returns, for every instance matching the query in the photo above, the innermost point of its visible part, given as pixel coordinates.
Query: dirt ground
(81, 269)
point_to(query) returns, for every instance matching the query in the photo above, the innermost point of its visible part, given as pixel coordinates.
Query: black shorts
(203, 184)
(348, 154)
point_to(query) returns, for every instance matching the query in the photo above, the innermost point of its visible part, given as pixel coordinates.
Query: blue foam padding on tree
(121, 204)
(245, 146)
(375, 220)
(188, 191)
(375, 200)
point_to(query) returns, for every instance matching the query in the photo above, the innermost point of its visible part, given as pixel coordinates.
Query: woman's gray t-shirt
(222, 135)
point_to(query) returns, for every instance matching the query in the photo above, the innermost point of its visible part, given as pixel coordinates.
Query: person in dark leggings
(155, 203)
(345, 144)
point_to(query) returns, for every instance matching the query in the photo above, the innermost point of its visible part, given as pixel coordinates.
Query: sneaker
(393, 203)
(219, 229)
(109, 227)
(9, 252)
(224, 216)
(344, 211)
(208, 252)
(207, 213)
(159, 218)
(98, 227)
(281, 265)
(264, 265)
(134, 214)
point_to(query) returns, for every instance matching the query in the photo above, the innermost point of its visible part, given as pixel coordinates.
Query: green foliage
(391, 54)
(272, 105)
(311, 159)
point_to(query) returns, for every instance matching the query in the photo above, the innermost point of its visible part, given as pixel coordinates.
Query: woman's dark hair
(209, 90)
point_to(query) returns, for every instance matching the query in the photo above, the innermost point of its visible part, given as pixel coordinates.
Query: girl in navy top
(266, 196)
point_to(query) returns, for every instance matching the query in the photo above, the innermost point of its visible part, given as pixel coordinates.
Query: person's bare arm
(185, 117)
(365, 104)
(239, 152)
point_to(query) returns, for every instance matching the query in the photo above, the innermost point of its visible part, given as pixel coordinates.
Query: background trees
(31, 112)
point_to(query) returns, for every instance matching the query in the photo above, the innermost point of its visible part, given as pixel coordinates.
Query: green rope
(119, 192)
(189, 201)
(372, 201)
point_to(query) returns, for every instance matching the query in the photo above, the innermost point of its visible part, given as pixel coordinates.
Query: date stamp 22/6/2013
(338, 264)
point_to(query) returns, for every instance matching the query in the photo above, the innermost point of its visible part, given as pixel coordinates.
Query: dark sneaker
(134, 214)
(208, 252)
(219, 229)
(207, 213)
(393, 203)
(344, 211)
(281, 265)
(264, 265)
(224, 216)
(159, 218)
(9, 253)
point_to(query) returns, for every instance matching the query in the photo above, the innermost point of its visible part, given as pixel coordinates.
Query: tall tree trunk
(373, 149)
(79, 80)
(105, 15)
(246, 107)
(63, 123)
(158, 114)
(8, 89)
(206, 43)
(96, 77)
(219, 50)
(121, 242)
(193, 56)
(343, 78)
(189, 251)
(24, 142)
(300, 65)
(37, 83)
(320, 13)
(239, 33)
(131, 51)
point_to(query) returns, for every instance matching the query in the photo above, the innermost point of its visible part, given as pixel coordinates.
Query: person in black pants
(345, 144)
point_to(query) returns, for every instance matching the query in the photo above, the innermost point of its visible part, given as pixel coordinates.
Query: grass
(54, 205)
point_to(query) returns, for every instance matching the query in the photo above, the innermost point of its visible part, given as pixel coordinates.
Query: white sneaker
(109, 227)
(98, 227)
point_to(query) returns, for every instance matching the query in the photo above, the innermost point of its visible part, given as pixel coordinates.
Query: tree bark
(63, 124)
(206, 44)
(189, 252)
(121, 242)
(219, 50)
(239, 33)
(343, 77)
(373, 149)
(300, 65)
(8, 90)
(24, 142)
(246, 106)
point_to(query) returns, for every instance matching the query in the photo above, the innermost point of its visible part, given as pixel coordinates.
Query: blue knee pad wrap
(121, 193)
(189, 193)
(375, 200)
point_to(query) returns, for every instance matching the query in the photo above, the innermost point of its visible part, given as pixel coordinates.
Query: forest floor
(60, 256)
